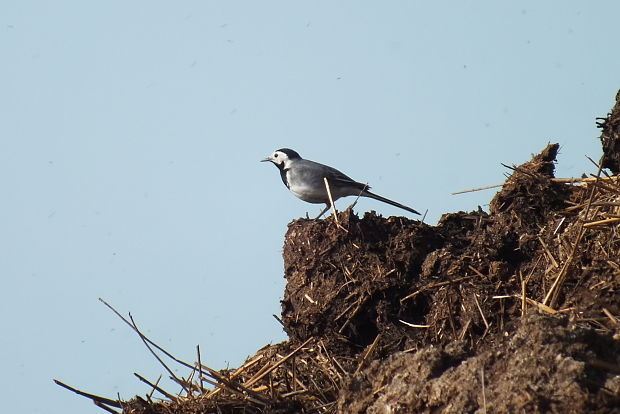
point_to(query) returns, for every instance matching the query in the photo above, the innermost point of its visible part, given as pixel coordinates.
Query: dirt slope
(514, 310)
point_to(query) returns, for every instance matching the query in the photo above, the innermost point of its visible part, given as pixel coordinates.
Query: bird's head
(283, 157)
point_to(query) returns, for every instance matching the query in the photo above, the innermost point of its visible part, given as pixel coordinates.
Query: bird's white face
(280, 159)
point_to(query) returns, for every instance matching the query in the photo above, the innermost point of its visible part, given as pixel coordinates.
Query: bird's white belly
(309, 194)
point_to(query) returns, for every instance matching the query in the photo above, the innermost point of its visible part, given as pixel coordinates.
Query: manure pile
(514, 310)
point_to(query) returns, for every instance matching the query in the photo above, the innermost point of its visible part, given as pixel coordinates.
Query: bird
(305, 179)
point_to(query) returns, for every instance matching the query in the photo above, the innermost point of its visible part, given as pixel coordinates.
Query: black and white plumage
(305, 179)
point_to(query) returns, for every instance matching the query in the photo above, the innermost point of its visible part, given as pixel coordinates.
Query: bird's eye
(275, 155)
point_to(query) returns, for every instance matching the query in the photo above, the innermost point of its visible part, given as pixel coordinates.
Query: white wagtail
(305, 179)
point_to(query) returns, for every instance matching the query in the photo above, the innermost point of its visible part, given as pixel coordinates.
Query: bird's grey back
(314, 172)
(305, 180)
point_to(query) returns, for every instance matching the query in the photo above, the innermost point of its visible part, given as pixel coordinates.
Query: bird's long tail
(367, 193)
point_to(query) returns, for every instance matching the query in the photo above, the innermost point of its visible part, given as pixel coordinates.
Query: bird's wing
(338, 177)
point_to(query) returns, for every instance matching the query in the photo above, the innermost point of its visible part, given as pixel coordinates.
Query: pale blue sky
(130, 135)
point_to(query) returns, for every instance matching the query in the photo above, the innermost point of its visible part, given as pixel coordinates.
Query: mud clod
(545, 366)
(347, 284)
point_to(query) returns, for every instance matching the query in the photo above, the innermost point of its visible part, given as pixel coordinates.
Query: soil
(610, 138)
(512, 311)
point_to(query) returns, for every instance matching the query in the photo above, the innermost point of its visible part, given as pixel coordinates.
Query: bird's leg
(327, 207)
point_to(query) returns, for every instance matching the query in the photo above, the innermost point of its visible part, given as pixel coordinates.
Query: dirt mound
(463, 279)
(461, 295)
(515, 310)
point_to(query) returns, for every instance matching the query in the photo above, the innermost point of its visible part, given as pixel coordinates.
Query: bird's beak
(266, 159)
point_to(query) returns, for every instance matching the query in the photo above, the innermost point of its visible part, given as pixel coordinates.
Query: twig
(277, 364)
(168, 354)
(102, 400)
(611, 317)
(464, 330)
(367, 354)
(541, 307)
(546, 249)
(553, 293)
(360, 302)
(200, 378)
(559, 225)
(150, 394)
(246, 365)
(236, 373)
(604, 186)
(434, 285)
(331, 200)
(481, 313)
(293, 393)
(148, 346)
(156, 387)
(477, 189)
(105, 407)
(190, 383)
(334, 362)
(413, 325)
(582, 180)
(344, 312)
(238, 389)
(529, 276)
(277, 318)
(555, 180)
(599, 222)
(235, 387)
(222, 381)
(476, 271)
(523, 297)
(309, 299)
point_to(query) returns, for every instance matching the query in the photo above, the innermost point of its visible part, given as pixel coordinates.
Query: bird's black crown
(292, 155)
